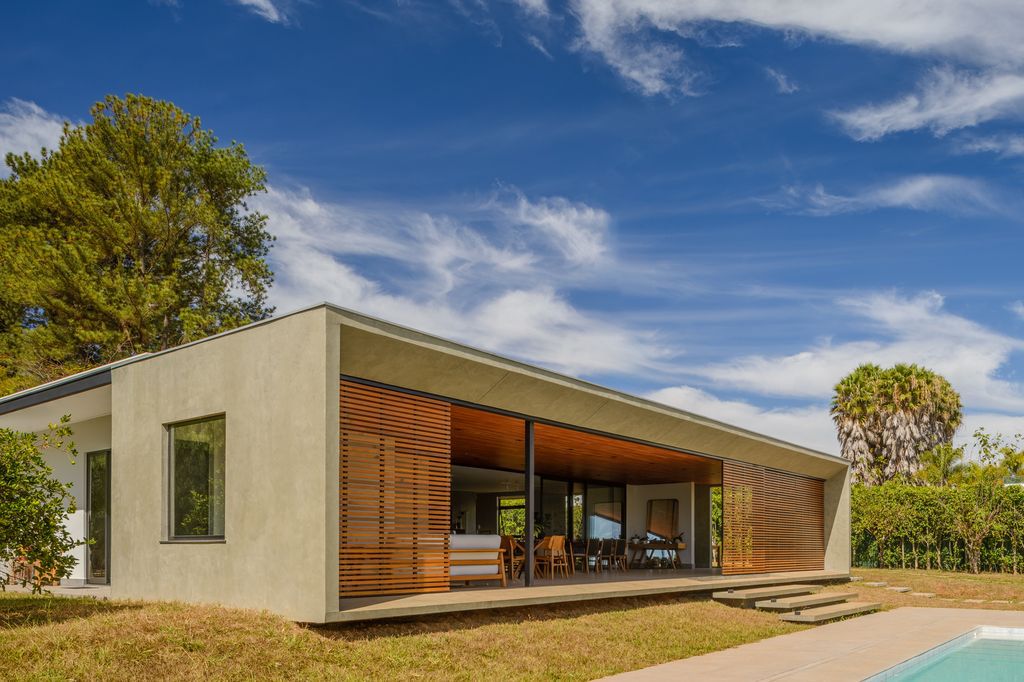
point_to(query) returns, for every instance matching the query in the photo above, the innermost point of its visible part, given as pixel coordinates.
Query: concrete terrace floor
(847, 650)
(610, 585)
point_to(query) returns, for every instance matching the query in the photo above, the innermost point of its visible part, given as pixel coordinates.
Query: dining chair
(515, 555)
(549, 554)
(606, 555)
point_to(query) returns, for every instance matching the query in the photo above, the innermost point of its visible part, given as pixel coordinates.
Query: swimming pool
(985, 653)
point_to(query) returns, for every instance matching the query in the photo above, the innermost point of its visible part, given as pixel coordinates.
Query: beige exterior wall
(272, 383)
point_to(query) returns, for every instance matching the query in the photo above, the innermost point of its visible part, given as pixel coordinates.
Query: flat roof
(100, 376)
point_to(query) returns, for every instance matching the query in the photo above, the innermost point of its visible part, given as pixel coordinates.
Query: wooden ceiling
(488, 440)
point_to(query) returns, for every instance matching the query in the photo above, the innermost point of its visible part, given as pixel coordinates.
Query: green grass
(59, 638)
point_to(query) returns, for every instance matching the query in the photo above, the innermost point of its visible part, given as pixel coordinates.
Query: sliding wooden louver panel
(772, 520)
(743, 518)
(794, 522)
(395, 492)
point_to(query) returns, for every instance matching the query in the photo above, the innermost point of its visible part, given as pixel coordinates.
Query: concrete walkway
(849, 650)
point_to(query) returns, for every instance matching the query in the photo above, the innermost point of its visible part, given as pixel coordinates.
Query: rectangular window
(197, 479)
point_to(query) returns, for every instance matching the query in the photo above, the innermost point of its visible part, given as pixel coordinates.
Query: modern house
(323, 464)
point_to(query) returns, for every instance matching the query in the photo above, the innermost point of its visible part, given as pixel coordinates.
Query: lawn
(62, 638)
(65, 638)
(958, 587)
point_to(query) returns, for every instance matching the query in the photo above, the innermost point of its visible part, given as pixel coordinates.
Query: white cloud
(267, 9)
(578, 231)
(496, 288)
(946, 100)
(807, 425)
(914, 329)
(783, 84)
(537, 8)
(1003, 145)
(1017, 308)
(538, 45)
(918, 192)
(27, 127)
(984, 32)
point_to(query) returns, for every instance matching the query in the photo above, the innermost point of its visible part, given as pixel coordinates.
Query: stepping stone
(747, 597)
(856, 578)
(805, 601)
(822, 613)
(946, 599)
(898, 589)
(926, 595)
(875, 584)
(1000, 601)
(974, 601)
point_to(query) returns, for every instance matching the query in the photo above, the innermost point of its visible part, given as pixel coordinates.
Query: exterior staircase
(798, 603)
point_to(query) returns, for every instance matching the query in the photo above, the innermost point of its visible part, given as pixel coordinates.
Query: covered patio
(439, 498)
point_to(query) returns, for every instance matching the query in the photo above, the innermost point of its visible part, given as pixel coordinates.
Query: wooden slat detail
(395, 492)
(772, 521)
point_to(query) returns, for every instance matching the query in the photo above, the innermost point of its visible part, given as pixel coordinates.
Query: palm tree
(885, 419)
(941, 464)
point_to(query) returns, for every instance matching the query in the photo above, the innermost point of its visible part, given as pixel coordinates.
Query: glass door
(98, 517)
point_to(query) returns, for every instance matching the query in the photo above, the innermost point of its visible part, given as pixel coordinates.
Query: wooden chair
(515, 555)
(605, 555)
(620, 555)
(590, 555)
(549, 554)
(578, 555)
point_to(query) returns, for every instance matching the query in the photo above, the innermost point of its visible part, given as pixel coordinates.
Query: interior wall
(636, 510)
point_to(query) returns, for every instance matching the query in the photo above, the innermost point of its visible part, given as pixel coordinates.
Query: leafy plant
(33, 507)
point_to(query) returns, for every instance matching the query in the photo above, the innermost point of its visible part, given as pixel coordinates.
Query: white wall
(87, 436)
(636, 510)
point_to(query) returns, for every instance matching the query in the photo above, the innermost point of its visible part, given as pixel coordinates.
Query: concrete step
(894, 588)
(805, 601)
(748, 596)
(820, 614)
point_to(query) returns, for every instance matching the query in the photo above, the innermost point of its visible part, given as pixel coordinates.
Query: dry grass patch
(64, 638)
(944, 584)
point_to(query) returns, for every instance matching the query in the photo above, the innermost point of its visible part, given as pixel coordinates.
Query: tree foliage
(885, 419)
(132, 236)
(33, 507)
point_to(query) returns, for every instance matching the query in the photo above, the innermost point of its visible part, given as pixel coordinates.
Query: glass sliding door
(605, 511)
(553, 504)
(98, 517)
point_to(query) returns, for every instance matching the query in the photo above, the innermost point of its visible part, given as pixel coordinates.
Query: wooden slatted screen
(395, 493)
(772, 520)
(743, 518)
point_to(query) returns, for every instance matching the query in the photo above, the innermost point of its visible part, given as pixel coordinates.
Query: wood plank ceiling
(493, 441)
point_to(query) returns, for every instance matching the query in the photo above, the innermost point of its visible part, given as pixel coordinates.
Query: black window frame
(169, 431)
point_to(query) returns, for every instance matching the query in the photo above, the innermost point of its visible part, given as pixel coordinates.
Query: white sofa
(476, 557)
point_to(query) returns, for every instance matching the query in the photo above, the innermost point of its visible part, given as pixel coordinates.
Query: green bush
(972, 527)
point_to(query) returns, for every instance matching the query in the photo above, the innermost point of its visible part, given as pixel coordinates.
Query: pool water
(990, 654)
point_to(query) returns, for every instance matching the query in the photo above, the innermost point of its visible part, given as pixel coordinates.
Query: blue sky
(721, 204)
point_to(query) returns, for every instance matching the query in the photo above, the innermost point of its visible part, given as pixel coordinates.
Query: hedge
(957, 528)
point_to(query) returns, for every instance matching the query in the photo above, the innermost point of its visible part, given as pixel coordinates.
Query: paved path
(849, 650)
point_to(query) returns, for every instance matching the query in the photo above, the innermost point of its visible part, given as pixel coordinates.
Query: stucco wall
(271, 383)
(837, 522)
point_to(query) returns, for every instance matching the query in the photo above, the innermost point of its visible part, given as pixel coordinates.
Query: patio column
(528, 457)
